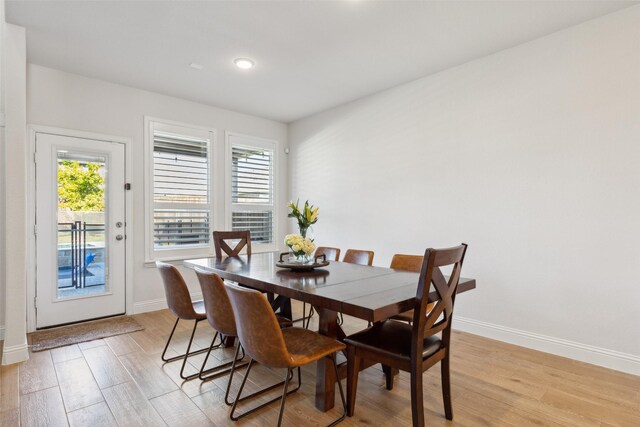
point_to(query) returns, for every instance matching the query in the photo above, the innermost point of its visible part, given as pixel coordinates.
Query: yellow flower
(314, 215)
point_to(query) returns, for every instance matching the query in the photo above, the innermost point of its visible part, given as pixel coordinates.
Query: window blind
(252, 192)
(181, 214)
(251, 178)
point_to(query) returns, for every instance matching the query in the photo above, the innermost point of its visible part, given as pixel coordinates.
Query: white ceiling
(310, 55)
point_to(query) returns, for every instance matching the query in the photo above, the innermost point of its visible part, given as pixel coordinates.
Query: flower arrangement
(305, 216)
(300, 246)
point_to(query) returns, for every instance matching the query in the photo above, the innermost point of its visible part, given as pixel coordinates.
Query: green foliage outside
(80, 187)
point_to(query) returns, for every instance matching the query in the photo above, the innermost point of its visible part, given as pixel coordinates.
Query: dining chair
(331, 254)
(411, 263)
(220, 239)
(242, 238)
(356, 256)
(265, 343)
(221, 318)
(417, 347)
(181, 306)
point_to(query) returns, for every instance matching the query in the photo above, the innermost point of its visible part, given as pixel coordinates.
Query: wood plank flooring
(122, 381)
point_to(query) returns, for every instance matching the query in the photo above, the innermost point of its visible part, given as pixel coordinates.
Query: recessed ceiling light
(244, 63)
(196, 66)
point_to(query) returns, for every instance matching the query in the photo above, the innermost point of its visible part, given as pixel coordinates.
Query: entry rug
(82, 332)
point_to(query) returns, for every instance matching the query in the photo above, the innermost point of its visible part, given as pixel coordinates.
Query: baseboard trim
(611, 359)
(157, 304)
(15, 353)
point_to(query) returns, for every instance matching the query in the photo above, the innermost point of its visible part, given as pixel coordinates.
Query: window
(180, 205)
(251, 187)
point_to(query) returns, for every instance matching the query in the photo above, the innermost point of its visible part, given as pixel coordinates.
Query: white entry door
(80, 229)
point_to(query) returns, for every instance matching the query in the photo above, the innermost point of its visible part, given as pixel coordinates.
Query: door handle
(119, 237)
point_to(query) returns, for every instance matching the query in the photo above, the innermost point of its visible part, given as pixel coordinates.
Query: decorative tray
(284, 262)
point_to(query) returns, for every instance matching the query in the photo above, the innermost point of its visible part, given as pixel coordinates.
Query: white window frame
(151, 252)
(250, 141)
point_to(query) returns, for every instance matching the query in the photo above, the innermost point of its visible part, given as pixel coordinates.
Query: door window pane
(81, 244)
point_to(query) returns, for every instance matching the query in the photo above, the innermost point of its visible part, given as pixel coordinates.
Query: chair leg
(344, 403)
(446, 387)
(233, 369)
(417, 406)
(238, 399)
(217, 371)
(353, 369)
(284, 395)
(182, 356)
(388, 374)
(187, 354)
(311, 313)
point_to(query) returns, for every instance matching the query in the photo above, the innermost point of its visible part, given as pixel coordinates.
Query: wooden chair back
(358, 256)
(428, 322)
(220, 242)
(332, 254)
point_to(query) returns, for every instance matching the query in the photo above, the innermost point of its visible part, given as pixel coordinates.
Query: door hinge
(35, 302)
(127, 186)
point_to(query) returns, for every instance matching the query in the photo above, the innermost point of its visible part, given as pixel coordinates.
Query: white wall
(15, 167)
(531, 156)
(70, 101)
(2, 177)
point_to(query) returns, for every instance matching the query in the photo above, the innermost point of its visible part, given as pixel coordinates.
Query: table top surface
(367, 292)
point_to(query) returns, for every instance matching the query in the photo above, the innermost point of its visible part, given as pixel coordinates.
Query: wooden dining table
(366, 292)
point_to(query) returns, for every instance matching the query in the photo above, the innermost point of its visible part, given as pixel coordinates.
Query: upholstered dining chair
(331, 254)
(356, 256)
(411, 263)
(417, 347)
(220, 239)
(181, 306)
(265, 343)
(221, 318)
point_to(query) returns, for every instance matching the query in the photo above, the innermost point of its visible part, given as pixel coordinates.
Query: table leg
(229, 342)
(282, 306)
(325, 376)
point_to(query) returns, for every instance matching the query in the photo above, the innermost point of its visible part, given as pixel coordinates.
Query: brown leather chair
(181, 306)
(265, 343)
(358, 256)
(331, 254)
(414, 348)
(411, 263)
(220, 242)
(220, 316)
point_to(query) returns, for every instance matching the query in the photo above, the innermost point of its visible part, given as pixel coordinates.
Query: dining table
(369, 293)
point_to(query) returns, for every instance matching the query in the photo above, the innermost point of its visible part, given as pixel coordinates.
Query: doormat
(82, 332)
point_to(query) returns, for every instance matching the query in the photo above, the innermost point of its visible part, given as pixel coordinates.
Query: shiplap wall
(531, 156)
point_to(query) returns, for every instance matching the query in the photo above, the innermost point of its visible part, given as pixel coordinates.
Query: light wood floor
(121, 380)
